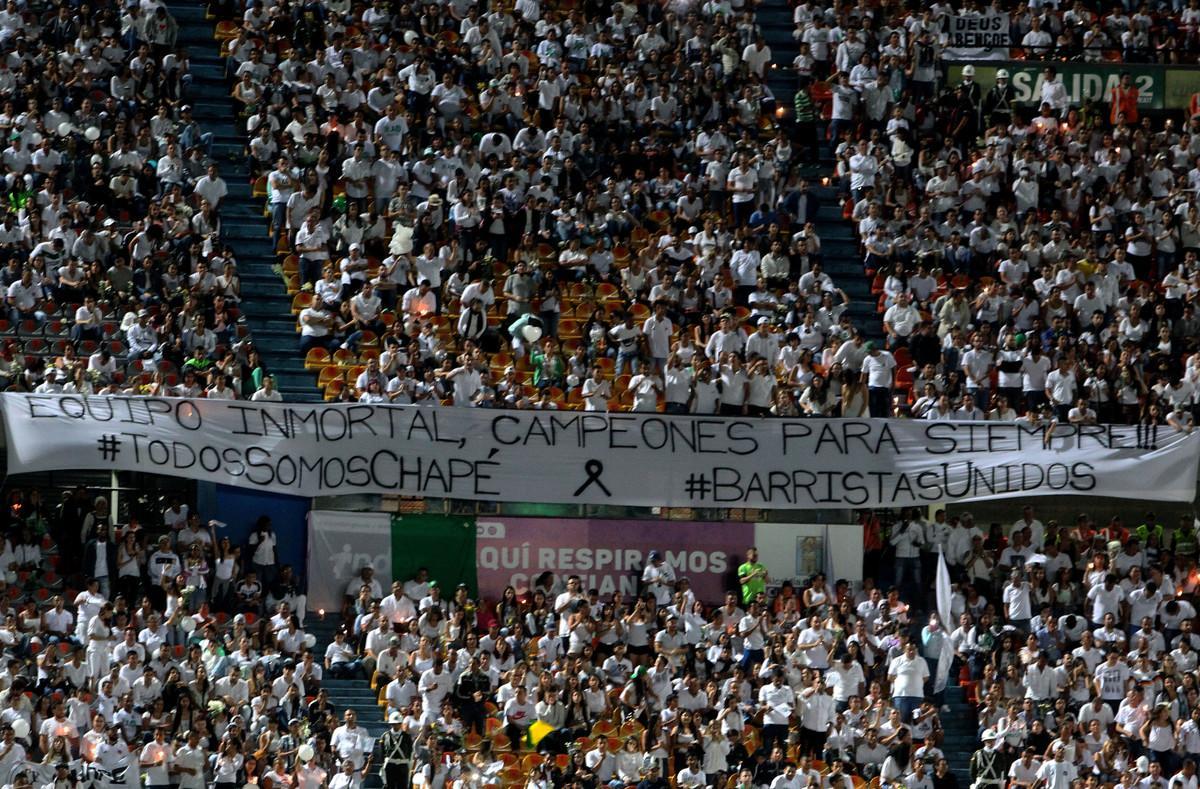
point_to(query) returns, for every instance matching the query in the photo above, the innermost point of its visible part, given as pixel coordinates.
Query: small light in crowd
(321, 612)
(780, 112)
(825, 181)
(774, 65)
(1064, 127)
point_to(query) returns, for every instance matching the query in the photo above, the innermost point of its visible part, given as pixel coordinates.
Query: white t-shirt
(878, 368)
(1112, 680)
(678, 384)
(658, 336)
(645, 392)
(264, 548)
(1105, 601)
(1062, 387)
(908, 675)
(1033, 373)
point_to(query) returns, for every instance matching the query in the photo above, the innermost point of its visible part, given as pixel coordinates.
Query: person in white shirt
(658, 577)
(877, 371)
(901, 320)
(1186, 777)
(519, 714)
(646, 388)
(691, 776)
(658, 329)
(352, 742)
(908, 672)
(1037, 530)
(155, 760)
(466, 379)
(596, 391)
(777, 701)
(346, 778)
(788, 779)
(189, 763)
(1018, 605)
(601, 762)
(1024, 771)
(1061, 390)
(25, 299)
(863, 169)
(742, 182)
(1054, 93)
(211, 186)
(267, 392)
(677, 386)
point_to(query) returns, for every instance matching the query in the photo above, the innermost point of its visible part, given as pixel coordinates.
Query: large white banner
(977, 37)
(569, 457)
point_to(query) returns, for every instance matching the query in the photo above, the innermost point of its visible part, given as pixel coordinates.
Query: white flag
(942, 586)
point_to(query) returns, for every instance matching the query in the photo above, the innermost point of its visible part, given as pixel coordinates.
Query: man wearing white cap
(310, 776)
(659, 578)
(763, 342)
(354, 271)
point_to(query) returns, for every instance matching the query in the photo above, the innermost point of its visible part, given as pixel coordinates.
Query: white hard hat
(968, 70)
(1001, 74)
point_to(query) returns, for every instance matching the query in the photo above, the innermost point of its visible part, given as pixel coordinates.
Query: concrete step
(190, 15)
(267, 307)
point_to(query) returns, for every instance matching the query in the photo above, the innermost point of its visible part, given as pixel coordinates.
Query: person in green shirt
(752, 576)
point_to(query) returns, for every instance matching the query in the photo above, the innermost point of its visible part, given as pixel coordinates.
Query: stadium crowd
(115, 278)
(598, 206)
(604, 208)
(159, 647)
(572, 208)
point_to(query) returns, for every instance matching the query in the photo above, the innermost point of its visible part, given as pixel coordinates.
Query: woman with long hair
(854, 396)
(227, 565)
(131, 565)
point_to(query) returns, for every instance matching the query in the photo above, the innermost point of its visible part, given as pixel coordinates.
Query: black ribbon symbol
(594, 469)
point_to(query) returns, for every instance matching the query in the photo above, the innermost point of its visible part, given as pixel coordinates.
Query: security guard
(396, 747)
(1150, 526)
(997, 104)
(987, 764)
(1183, 537)
(972, 94)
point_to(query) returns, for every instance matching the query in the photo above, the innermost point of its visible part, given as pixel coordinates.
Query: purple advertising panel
(607, 555)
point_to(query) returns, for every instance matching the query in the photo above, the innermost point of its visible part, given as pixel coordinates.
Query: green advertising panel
(1083, 81)
(1182, 84)
(442, 543)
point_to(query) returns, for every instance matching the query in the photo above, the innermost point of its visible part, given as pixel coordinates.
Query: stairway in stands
(961, 733)
(265, 302)
(355, 694)
(839, 247)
